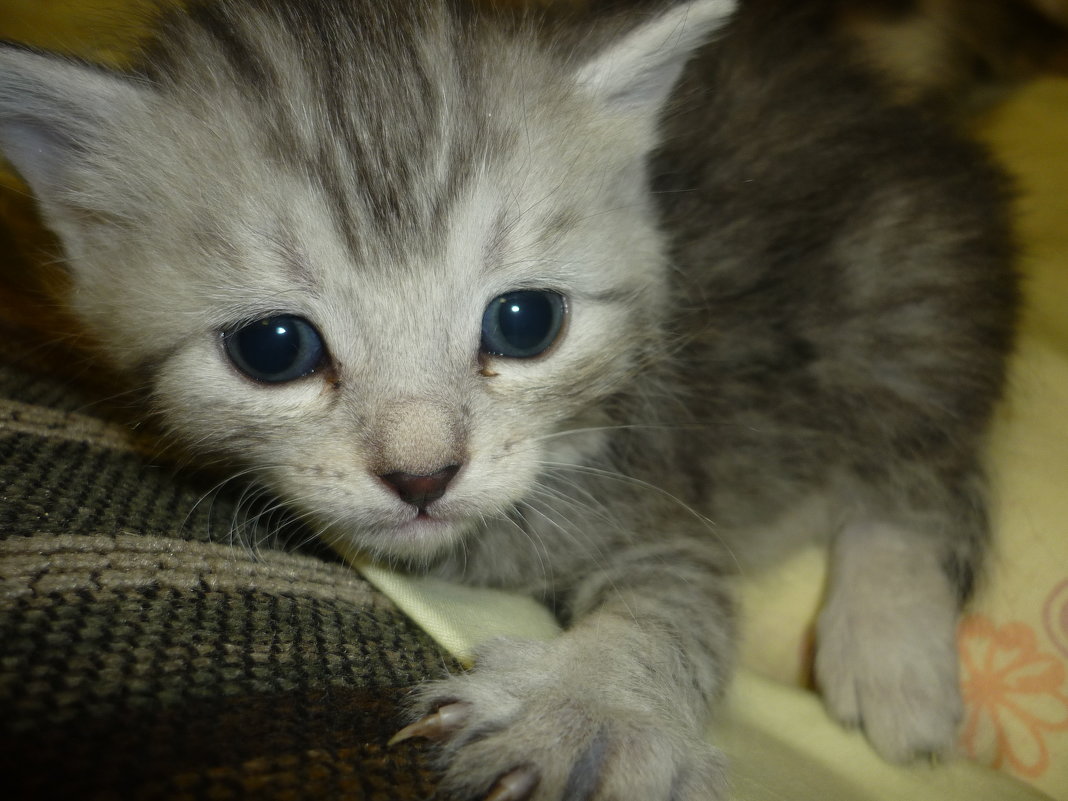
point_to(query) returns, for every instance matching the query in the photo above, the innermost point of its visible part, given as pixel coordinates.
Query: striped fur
(797, 329)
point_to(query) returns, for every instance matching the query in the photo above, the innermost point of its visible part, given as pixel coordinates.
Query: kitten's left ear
(636, 73)
(53, 110)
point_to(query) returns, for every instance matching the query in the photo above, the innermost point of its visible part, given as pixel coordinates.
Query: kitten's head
(380, 252)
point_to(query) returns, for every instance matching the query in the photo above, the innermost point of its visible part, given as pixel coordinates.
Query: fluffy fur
(788, 308)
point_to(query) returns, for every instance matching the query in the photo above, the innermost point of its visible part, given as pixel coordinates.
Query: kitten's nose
(421, 491)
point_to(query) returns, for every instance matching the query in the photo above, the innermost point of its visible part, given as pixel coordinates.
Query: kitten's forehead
(407, 139)
(389, 109)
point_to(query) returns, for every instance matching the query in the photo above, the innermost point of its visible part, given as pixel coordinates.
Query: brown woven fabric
(143, 655)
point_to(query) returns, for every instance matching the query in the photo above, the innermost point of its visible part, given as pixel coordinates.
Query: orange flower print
(1014, 696)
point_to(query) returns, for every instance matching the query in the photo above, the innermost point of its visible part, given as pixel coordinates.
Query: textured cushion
(145, 655)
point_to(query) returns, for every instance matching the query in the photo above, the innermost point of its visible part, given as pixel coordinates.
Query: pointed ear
(52, 109)
(637, 71)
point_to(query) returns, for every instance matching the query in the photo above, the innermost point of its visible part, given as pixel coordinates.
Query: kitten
(578, 306)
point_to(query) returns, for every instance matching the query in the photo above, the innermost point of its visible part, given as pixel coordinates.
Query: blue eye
(522, 324)
(276, 349)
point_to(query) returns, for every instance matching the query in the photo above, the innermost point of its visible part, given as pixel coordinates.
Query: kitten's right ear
(54, 109)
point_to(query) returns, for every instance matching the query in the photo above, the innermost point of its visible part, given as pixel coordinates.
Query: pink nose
(421, 491)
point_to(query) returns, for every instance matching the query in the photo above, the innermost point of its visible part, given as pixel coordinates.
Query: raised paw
(531, 723)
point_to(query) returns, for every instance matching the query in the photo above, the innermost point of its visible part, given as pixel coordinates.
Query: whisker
(623, 478)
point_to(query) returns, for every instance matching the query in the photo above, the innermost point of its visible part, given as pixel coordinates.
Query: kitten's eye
(276, 349)
(522, 324)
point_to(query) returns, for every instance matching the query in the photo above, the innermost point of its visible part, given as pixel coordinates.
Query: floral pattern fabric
(1016, 695)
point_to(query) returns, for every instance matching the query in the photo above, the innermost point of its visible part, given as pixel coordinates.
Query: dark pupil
(526, 319)
(276, 349)
(270, 346)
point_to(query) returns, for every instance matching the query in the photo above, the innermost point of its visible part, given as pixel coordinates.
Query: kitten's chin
(418, 541)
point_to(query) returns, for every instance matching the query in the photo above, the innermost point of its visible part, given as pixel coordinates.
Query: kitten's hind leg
(886, 655)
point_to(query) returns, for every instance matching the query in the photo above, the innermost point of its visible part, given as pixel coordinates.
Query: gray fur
(804, 322)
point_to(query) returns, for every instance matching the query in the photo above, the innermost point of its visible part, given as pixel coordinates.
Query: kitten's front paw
(894, 676)
(531, 723)
(886, 657)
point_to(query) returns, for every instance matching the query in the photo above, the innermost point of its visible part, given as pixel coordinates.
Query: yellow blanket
(780, 742)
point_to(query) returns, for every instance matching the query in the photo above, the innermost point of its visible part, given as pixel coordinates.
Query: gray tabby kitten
(534, 304)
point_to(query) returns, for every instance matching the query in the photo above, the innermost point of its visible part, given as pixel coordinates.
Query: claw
(515, 786)
(437, 724)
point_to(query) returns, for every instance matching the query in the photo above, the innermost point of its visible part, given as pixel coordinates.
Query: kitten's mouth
(425, 525)
(424, 521)
(424, 536)
(405, 532)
